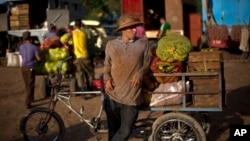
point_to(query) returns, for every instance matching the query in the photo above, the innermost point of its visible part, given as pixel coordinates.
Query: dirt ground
(12, 94)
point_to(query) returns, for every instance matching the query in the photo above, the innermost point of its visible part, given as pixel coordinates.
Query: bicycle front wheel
(42, 125)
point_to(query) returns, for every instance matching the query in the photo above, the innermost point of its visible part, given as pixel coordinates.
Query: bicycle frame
(65, 98)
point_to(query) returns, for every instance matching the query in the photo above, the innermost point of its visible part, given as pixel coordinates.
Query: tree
(96, 8)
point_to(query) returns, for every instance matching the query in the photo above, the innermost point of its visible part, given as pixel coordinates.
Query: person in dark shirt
(29, 54)
(126, 62)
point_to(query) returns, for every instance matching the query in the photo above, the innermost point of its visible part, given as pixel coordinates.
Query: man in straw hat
(29, 54)
(127, 60)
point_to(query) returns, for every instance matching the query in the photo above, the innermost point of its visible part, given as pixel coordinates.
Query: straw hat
(127, 21)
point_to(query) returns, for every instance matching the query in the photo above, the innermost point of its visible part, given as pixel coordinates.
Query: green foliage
(198, 5)
(95, 7)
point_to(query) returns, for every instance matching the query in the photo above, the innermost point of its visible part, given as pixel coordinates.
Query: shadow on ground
(237, 106)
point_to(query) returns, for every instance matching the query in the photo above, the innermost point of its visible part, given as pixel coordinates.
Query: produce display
(159, 66)
(173, 47)
(171, 52)
(52, 57)
(52, 42)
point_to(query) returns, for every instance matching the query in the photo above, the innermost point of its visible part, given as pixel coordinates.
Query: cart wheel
(44, 87)
(72, 85)
(177, 127)
(203, 118)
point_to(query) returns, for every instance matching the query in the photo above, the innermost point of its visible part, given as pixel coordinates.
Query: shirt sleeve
(107, 64)
(146, 61)
(162, 27)
(21, 50)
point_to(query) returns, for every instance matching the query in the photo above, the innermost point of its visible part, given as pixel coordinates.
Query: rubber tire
(44, 88)
(204, 119)
(72, 85)
(41, 112)
(188, 120)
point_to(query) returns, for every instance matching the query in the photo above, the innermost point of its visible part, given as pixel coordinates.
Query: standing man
(127, 60)
(51, 31)
(90, 43)
(165, 26)
(82, 61)
(29, 54)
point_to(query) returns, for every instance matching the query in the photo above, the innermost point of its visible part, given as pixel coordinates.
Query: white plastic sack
(14, 59)
(167, 99)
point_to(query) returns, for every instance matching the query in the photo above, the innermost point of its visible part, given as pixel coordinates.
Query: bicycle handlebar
(67, 58)
(59, 68)
(63, 61)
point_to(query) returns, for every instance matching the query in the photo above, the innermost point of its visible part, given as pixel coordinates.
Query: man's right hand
(109, 85)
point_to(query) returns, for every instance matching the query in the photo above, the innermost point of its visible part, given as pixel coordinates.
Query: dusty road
(237, 84)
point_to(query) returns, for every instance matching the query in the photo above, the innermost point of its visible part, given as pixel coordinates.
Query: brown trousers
(84, 72)
(29, 81)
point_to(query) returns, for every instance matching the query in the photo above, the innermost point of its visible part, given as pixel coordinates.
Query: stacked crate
(209, 87)
(19, 18)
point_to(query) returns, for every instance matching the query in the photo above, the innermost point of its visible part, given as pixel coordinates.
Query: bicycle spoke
(37, 128)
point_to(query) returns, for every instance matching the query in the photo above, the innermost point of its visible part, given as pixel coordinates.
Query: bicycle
(178, 122)
(46, 124)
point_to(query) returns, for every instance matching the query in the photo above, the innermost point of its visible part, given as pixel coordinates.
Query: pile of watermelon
(52, 53)
(172, 50)
(169, 57)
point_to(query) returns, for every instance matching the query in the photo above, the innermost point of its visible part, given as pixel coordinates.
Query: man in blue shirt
(29, 53)
(51, 32)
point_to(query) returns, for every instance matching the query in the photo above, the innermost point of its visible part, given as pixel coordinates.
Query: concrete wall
(63, 19)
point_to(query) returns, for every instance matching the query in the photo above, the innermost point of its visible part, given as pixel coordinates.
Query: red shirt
(140, 31)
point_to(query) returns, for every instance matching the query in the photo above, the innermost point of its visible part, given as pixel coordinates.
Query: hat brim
(128, 25)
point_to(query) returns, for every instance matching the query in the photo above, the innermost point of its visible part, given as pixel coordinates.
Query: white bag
(167, 99)
(14, 59)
